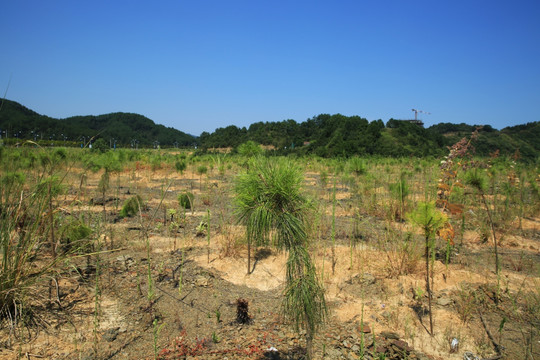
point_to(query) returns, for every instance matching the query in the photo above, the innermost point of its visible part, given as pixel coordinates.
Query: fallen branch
(498, 348)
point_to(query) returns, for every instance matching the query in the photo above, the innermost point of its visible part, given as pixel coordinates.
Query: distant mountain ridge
(324, 135)
(125, 128)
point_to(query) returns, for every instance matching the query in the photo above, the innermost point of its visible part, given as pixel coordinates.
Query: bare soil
(106, 309)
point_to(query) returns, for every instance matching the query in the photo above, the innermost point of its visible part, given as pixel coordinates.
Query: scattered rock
(444, 301)
(333, 353)
(111, 334)
(123, 258)
(201, 281)
(88, 356)
(401, 345)
(362, 279)
(390, 335)
(364, 328)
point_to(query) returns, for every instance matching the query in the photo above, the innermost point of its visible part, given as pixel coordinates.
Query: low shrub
(131, 206)
(75, 235)
(185, 200)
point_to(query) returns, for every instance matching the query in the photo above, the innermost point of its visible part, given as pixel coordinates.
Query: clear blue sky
(200, 65)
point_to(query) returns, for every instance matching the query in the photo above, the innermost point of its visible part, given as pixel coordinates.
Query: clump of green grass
(357, 166)
(75, 234)
(185, 200)
(180, 166)
(27, 208)
(131, 206)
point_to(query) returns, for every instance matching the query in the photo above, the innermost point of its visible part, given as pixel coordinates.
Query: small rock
(362, 279)
(88, 356)
(111, 334)
(401, 345)
(201, 281)
(390, 335)
(368, 342)
(421, 356)
(333, 353)
(444, 301)
(123, 258)
(364, 328)
(368, 279)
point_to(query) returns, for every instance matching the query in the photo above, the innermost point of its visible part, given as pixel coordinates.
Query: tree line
(322, 135)
(338, 135)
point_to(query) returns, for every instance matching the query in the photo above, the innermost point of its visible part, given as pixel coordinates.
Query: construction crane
(419, 111)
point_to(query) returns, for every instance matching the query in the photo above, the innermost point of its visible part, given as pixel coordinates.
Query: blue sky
(200, 65)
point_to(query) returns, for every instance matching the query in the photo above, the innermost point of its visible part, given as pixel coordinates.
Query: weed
(357, 166)
(477, 180)
(208, 236)
(466, 302)
(201, 229)
(218, 316)
(180, 166)
(430, 221)
(185, 200)
(155, 332)
(401, 251)
(74, 235)
(27, 226)
(131, 206)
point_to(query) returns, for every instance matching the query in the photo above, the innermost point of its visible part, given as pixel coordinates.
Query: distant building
(393, 122)
(417, 122)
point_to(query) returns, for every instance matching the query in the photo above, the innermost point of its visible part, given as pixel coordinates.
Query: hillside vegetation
(125, 128)
(338, 135)
(323, 135)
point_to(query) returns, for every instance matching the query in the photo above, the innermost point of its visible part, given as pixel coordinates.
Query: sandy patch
(269, 273)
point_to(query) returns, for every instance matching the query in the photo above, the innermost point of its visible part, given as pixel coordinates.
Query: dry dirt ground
(111, 310)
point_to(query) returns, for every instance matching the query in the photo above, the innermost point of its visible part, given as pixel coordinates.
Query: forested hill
(324, 135)
(125, 128)
(339, 135)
